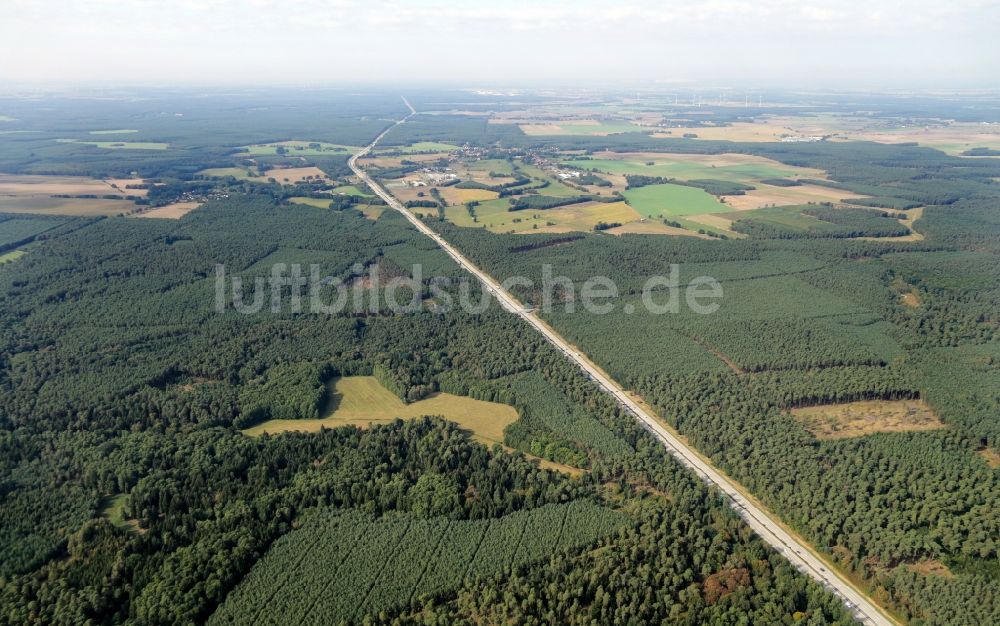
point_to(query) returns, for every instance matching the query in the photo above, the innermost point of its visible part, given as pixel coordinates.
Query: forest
(813, 316)
(131, 496)
(121, 383)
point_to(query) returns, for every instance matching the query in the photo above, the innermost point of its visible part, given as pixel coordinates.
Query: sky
(842, 43)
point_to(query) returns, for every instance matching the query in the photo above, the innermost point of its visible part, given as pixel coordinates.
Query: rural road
(764, 523)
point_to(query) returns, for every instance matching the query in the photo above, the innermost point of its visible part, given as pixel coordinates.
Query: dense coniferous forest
(122, 384)
(818, 322)
(130, 495)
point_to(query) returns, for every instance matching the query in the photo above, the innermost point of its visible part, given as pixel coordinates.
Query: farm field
(351, 190)
(47, 205)
(173, 211)
(952, 138)
(555, 187)
(292, 175)
(760, 131)
(420, 146)
(579, 217)
(581, 127)
(11, 256)
(771, 195)
(856, 419)
(362, 400)
(351, 565)
(40, 185)
(669, 200)
(242, 173)
(454, 195)
(121, 145)
(397, 160)
(114, 131)
(297, 148)
(653, 227)
(949, 136)
(34, 194)
(319, 203)
(739, 168)
(495, 217)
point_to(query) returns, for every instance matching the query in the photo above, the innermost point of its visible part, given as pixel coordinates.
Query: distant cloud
(452, 39)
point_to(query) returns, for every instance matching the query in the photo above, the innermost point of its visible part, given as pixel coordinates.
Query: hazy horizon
(772, 42)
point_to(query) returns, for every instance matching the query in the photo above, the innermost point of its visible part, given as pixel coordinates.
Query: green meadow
(671, 200)
(299, 148)
(686, 170)
(121, 145)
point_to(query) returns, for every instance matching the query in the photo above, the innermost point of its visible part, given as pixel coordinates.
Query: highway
(763, 522)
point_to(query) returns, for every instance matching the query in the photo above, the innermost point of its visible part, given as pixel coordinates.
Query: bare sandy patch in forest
(855, 419)
(931, 567)
(991, 456)
(911, 300)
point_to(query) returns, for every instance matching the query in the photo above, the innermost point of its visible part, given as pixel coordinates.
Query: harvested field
(856, 419)
(768, 195)
(713, 220)
(953, 138)
(653, 227)
(453, 195)
(362, 400)
(173, 211)
(405, 193)
(292, 175)
(46, 205)
(581, 127)
(576, 217)
(120, 185)
(32, 185)
(764, 130)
